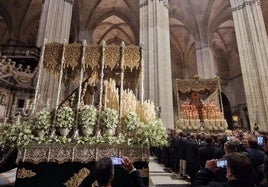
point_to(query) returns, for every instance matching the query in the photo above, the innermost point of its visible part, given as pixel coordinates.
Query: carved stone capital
(70, 1)
(143, 3)
(244, 4)
(165, 2)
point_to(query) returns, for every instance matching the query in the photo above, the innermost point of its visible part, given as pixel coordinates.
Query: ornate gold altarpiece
(200, 105)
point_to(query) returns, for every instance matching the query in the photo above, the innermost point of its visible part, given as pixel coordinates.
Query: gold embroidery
(24, 173)
(52, 57)
(132, 57)
(77, 178)
(112, 56)
(92, 56)
(73, 55)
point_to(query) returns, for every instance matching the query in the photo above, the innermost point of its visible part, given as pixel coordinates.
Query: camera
(116, 160)
(260, 140)
(221, 163)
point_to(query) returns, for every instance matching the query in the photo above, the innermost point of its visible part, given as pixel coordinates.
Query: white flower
(109, 118)
(64, 117)
(42, 120)
(153, 134)
(131, 121)
(17, 135)
(88, 116)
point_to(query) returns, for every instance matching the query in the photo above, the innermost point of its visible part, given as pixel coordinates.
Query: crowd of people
(237, 159)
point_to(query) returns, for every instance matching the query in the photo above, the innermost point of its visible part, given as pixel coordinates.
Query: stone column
(205, 62)
(253, 52)
(55, 21)
(154, 36)
(54, 26)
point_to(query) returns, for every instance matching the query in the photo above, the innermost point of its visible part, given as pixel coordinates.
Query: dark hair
(230, 146)
(240, 165)
(252, 142)
(104, 171)
(209, 140)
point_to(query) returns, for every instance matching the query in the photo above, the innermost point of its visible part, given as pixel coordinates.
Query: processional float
(103, 109)
(102, 115)
(200, 106)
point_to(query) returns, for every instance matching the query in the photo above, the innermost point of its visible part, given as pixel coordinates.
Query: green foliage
(42, 120)
(88, 116)
(65, 118)
(153, 134)
(131, 121)
(17, 135)
(109, 118)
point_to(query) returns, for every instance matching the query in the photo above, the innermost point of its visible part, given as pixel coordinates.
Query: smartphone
(260, 140)
(221, 163)
(116, 160)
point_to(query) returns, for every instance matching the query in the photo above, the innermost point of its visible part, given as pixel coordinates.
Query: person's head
(239, 167)
(104, 171)
(222, 140)
(252, 142)
(230, 146)
(209, 140)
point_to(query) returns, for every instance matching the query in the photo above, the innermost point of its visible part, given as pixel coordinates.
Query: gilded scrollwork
(52, 57)
(112, 56)
(25, 173)
(92, 56)
(197, 85)
(77, 178)
(79, 153)
(73, 55)
(132, 56)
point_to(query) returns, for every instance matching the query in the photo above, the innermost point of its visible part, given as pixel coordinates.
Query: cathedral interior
(180, 39)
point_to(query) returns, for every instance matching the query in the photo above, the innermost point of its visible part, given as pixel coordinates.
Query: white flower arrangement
(109, 118)
(88, 116)
(131, 121)
(17, 135)
(42, 120)
(153, 134)
(64, 118)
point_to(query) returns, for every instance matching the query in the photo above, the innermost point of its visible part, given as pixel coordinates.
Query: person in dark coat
(239, 171)
(230, 146)
(192, 163)
(206, 152)
(182, 154)
(257, 156)
(219, 152)
(104, 173)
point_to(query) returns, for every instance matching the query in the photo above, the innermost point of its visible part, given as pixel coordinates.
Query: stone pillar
(54, 26)
(253, 52)
(55, 21)
(154, 35)
(205, 62)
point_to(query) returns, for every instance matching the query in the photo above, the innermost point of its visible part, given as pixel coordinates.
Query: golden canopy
(205, 87)
(113, 56)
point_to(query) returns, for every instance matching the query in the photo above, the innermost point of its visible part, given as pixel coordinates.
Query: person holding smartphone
(239, 171)
(104, 172)
(135, 174)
